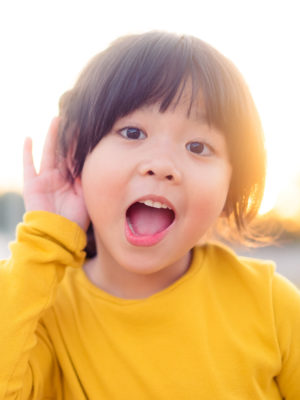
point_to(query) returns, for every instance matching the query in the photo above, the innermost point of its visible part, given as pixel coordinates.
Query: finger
(48, 160)
(29, 171)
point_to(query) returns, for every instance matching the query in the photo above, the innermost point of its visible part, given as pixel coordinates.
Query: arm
(46, 243)
(286, 301)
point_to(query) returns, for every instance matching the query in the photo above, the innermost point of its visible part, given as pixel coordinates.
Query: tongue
(149, 220)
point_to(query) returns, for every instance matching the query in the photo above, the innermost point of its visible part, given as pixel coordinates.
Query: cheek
(102, 183)
(207, 209)
(209, 194)
(97, 170)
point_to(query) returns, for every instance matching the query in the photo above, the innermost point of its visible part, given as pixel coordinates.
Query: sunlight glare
(49, 43)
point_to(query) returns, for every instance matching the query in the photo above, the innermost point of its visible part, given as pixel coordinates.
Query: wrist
(62, 229)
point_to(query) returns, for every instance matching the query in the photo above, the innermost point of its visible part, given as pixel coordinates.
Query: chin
(142, 265)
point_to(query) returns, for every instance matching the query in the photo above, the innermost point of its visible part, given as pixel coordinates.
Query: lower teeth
(131, 227)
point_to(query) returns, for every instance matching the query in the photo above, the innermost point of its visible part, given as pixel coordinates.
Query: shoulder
(249, 279)
(62, 317)
(222, 261)
(286, 304)
(242, 277)
(260, 305)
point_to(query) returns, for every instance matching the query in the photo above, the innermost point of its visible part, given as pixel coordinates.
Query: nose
(162, 169)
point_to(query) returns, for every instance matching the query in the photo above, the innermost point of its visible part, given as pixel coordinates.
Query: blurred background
(45, 44)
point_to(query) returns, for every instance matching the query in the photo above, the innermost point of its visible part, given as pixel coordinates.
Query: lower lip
(147, 240)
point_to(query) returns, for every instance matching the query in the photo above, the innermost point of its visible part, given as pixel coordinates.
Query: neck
(120, 282)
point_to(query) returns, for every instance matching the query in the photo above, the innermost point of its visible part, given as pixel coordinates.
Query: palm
(49, 190)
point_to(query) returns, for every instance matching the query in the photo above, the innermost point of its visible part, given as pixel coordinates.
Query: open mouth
(148, 218)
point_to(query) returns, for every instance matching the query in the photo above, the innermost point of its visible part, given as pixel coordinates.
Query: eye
(200, 148)
(132, 133)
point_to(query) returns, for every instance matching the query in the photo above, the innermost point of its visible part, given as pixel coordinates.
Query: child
(156, 143)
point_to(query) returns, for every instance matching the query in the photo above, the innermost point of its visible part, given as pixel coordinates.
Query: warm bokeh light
(47, 44)
(288, 204)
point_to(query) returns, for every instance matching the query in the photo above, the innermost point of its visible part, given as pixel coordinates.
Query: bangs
(151, 69)
(161, 68)
(157, 73)
(158, 68)
(140, 70)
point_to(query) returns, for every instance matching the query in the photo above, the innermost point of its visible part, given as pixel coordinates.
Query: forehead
(187, 103)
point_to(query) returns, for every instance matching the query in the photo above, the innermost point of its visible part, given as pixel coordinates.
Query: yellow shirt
(228, 329)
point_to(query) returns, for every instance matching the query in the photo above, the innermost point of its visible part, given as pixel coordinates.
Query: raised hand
(50, 190)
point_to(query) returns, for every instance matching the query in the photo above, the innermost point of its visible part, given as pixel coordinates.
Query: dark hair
(155, 67)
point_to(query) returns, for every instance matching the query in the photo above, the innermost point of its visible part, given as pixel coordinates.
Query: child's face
(169, 158)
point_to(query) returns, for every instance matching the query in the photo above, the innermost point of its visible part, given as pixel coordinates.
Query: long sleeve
(46, 244)
(286, 300)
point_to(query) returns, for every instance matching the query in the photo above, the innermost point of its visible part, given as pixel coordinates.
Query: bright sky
(45, 44)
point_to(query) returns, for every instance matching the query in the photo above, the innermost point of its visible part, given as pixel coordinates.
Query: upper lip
(153, 197)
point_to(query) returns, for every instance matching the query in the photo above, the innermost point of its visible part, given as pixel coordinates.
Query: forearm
(46, 244)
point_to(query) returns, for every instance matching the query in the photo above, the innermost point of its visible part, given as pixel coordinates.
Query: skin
(159, 161)
(48, 189)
